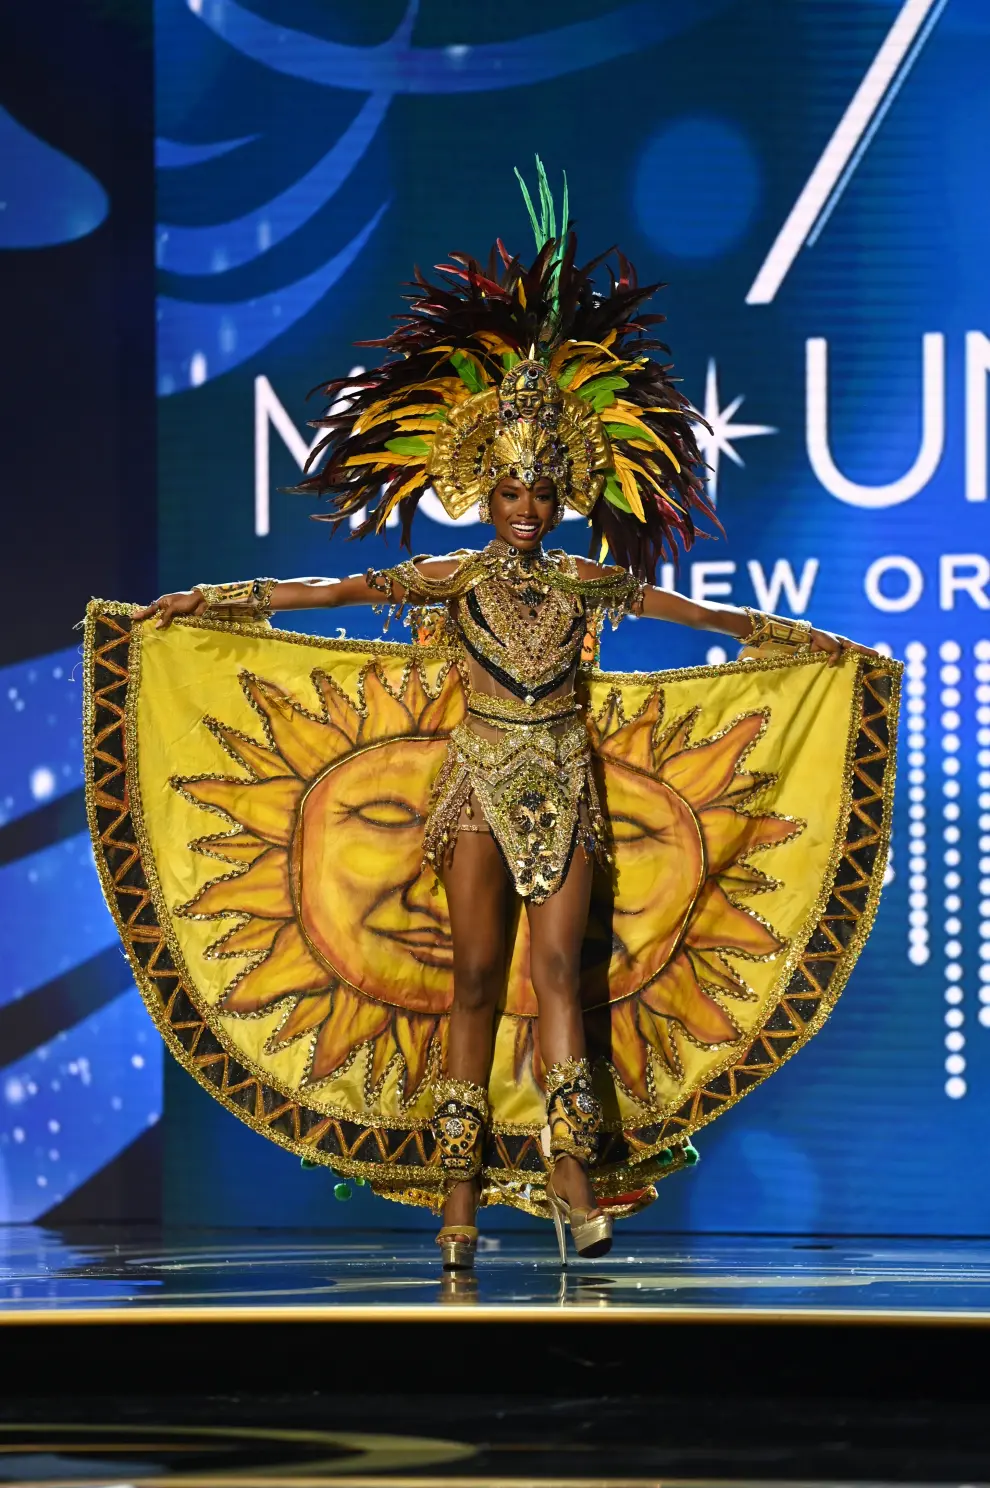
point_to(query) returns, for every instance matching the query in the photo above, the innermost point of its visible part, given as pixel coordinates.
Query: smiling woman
(486, 922)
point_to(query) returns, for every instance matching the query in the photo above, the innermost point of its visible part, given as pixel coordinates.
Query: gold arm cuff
(249, 599)
(774, 630)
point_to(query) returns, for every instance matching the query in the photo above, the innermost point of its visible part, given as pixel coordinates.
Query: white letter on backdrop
(932, 430)
(896, 604)
(703, 583)
(977, 367)
(267, 407)
(951, 582)
(798, 591)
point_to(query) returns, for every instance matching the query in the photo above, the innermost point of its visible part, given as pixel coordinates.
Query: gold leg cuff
(574, 1114)
(459, 1121)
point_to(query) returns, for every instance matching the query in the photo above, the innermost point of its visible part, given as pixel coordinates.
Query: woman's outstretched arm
(724, 619)
(730, 620)
(285, 594)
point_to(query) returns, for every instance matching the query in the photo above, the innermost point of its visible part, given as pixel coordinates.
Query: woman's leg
(557, 928)
(476, 885)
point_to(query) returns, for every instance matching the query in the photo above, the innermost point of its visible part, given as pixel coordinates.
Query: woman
(527, 392)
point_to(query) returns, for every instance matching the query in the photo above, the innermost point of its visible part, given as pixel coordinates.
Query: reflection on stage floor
(198, 1274)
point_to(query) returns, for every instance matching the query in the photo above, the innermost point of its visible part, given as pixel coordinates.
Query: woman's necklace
(523, 574)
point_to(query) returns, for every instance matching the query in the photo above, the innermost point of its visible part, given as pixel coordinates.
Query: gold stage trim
(446, 1312)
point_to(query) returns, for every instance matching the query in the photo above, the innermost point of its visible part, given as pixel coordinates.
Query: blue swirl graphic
(401, 68)
(200, 341)
(213, 250)
(174, 155)
(47, 198)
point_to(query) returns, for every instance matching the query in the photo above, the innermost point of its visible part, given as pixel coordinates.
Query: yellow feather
(387, 415)
(670, 455)
(593, 367)
(385, 459)
(630, 489)
(621, 412)
(604, 551)
(570, 349)
(493, 342)
(385, 511)
(521, 293)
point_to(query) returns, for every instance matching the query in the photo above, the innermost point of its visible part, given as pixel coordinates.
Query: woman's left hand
(837, 646)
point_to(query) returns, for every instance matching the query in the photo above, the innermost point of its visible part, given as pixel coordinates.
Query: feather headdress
(526, 370)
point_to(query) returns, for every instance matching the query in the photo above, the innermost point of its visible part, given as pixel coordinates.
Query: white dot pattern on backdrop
(950, 721)
(918, 919)
(981, 652)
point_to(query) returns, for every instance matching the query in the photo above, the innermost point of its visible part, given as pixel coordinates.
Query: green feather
(534, 221)
(601, 391)
(547, 219)
(545, 226)
(624, 431)
(467, 371)
(510, 359)
(408, 444)
(614, 495)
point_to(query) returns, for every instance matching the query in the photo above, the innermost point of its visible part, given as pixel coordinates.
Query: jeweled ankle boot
(459, 1121)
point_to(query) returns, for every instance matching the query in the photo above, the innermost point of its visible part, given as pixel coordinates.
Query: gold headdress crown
(528, 428)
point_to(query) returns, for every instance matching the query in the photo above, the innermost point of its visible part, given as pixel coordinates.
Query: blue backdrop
(813, 182)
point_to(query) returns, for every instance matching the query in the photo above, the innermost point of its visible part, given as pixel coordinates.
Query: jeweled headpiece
(527, 428)
(520, 371)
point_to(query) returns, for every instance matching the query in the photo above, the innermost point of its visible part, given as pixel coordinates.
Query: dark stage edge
(215, 1358)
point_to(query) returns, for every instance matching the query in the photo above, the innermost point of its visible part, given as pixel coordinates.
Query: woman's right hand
(188, 602)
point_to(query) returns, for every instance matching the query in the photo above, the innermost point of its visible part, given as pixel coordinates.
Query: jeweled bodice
(520, 619)
(522, 631)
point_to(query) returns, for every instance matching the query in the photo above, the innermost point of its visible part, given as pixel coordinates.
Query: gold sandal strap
(449, 1231)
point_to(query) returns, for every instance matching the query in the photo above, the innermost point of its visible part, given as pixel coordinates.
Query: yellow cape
(256, 800)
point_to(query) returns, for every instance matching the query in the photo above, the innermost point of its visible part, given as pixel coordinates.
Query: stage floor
(390, 1276)
(214, 1359)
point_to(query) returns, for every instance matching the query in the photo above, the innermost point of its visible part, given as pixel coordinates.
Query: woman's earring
(484, 510)
(558, 515)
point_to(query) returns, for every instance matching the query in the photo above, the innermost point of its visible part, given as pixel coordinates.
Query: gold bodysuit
(518, 622)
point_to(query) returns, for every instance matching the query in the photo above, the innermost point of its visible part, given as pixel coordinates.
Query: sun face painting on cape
(280, 820)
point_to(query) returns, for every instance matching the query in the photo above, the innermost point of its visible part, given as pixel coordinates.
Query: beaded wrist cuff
(773, 630)
(248, 600)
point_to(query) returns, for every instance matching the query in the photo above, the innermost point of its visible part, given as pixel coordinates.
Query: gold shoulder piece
(425, 587)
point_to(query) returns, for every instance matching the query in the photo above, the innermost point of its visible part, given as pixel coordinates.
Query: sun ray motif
(343, 938)
(672, 985)
(305, 752)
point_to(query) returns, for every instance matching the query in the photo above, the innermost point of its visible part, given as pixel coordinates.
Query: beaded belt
(508, 711)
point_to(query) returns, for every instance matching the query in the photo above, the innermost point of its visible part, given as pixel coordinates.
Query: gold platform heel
(459, 1121)
(592, 1237)
(574, 1116)
(458, 1246)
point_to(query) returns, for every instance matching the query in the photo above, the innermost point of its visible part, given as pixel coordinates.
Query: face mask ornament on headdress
(528, 428)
